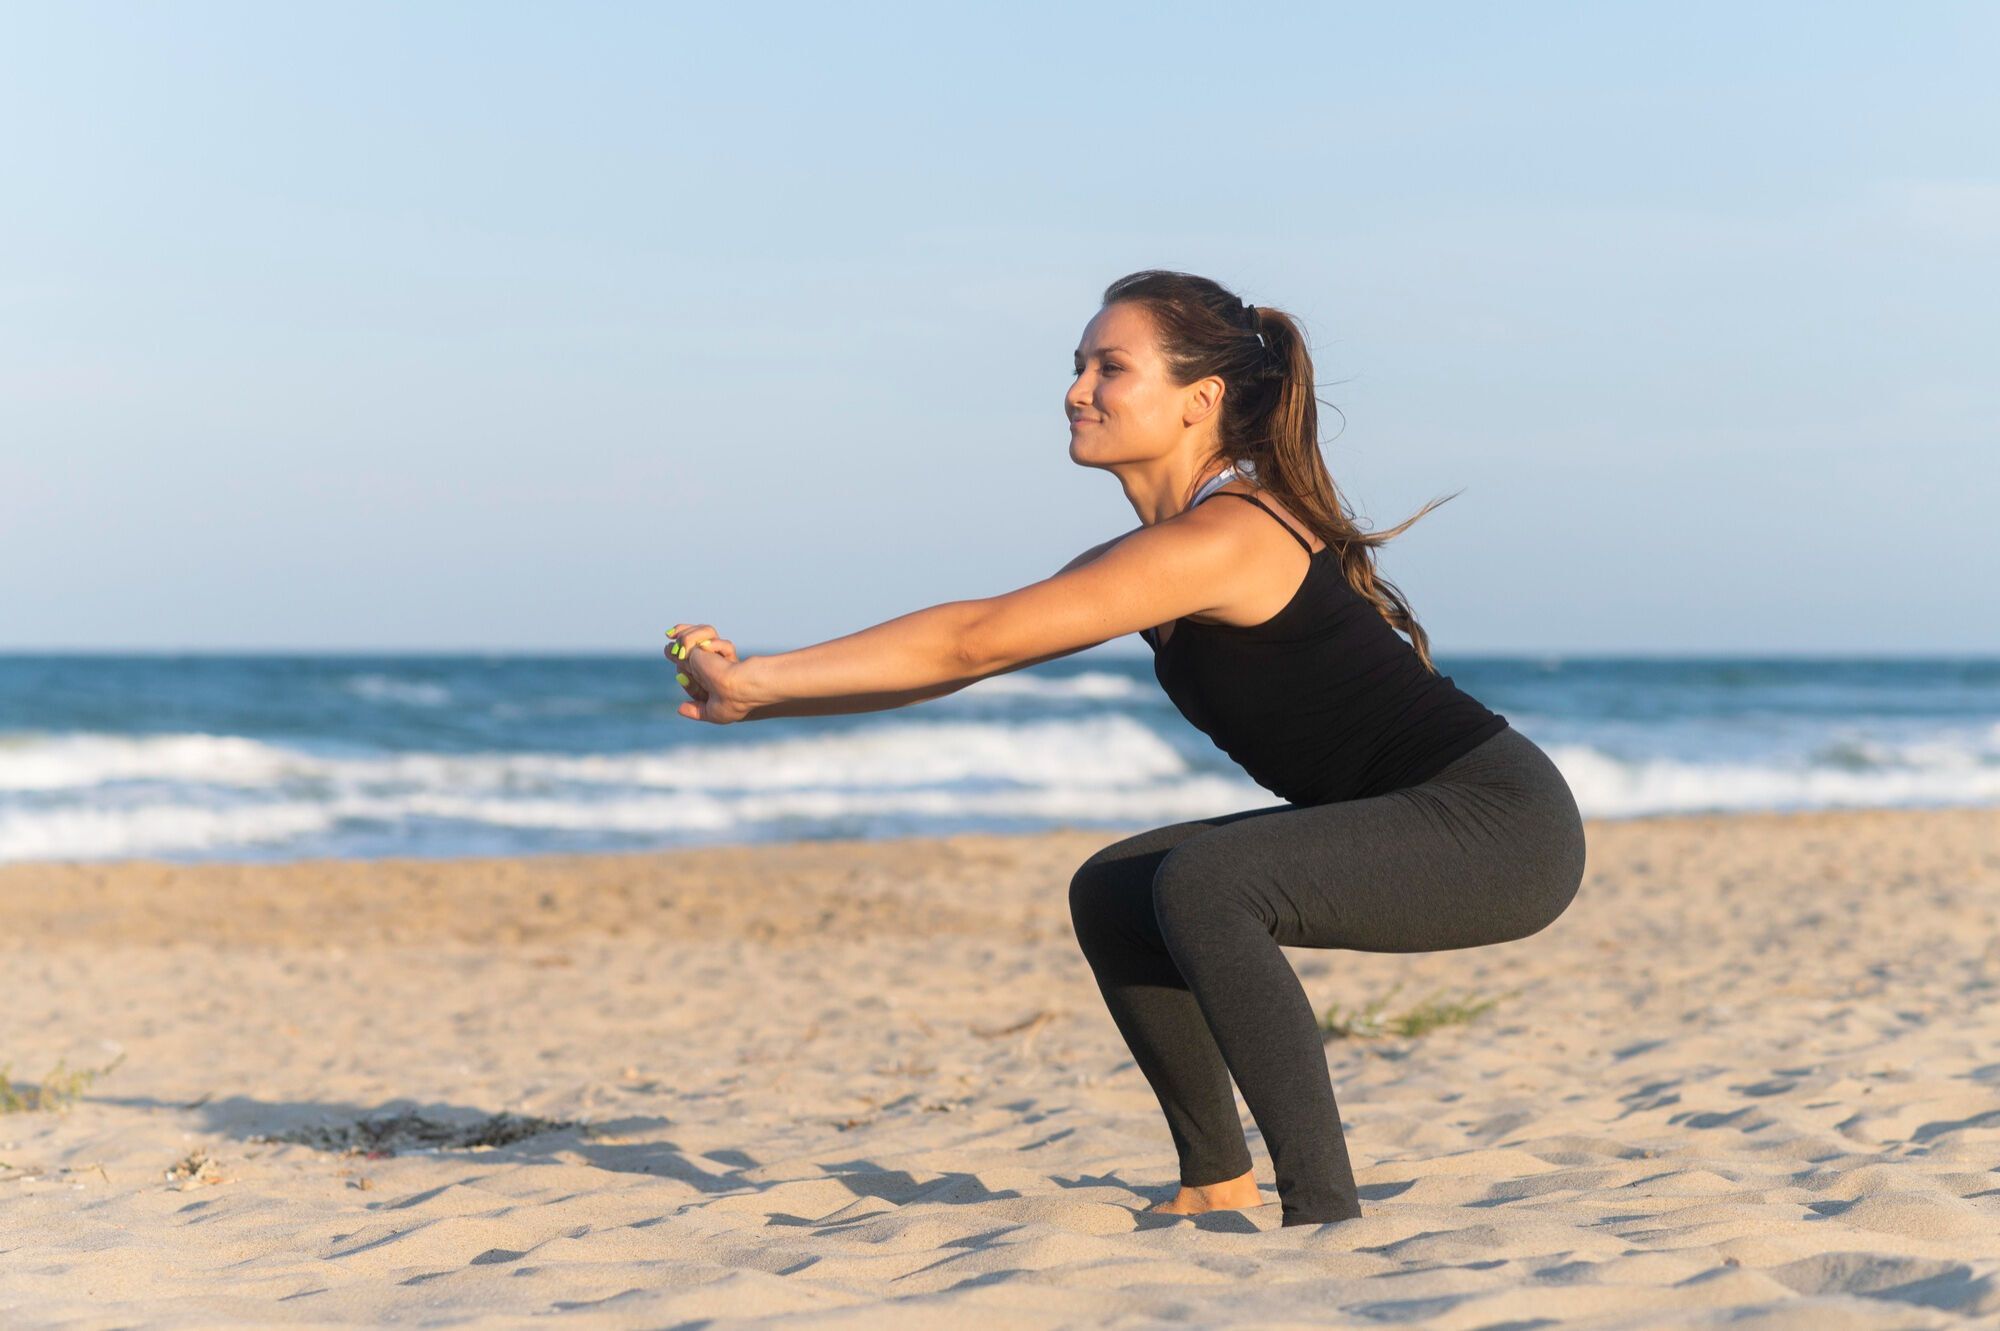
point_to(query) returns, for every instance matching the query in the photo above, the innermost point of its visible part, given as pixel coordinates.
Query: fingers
(682, 650)
(699, 636)
(689, 636)
(722, 647)
(702, 635)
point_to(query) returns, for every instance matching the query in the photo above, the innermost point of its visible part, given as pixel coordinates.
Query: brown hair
(1270, 416)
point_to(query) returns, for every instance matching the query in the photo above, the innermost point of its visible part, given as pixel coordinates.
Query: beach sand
(1751, 1077)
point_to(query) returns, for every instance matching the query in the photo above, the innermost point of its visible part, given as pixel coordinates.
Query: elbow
(970, 656)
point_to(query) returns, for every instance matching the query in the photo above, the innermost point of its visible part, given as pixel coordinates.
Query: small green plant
(56, 1091)
(1356, 1023)
(1368, 1021)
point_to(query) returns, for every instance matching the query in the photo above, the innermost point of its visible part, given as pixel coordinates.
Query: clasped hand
(707, 664)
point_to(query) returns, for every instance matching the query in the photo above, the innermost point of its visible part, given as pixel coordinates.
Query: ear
(1202, 399)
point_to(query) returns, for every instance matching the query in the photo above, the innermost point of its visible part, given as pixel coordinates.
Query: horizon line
(1517, 653)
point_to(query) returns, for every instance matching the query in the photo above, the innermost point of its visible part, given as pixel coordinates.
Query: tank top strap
(1238, 494)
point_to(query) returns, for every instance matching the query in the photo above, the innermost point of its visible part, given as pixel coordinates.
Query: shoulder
(1210, 531)
(1191, 563)
(1276, 513)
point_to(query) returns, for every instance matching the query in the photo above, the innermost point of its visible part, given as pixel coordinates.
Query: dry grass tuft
(1369, 1022)
(57, 1091)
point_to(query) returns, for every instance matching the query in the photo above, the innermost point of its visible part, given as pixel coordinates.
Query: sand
(1752, 1078)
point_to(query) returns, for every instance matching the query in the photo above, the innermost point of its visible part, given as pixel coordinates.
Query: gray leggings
(1182, 925)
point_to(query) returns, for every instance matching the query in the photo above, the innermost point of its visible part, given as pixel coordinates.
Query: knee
(1092, 898)
(1192, 893)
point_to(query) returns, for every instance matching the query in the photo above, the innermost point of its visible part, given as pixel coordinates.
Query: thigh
(1113, 889)
(1427, 868)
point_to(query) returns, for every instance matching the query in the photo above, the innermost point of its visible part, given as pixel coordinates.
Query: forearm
(907, 659)
(860, 702)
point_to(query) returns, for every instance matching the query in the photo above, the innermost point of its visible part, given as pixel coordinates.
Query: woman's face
(1122, 406)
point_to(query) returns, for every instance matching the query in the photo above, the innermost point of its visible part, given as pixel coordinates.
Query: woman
(1415, 819)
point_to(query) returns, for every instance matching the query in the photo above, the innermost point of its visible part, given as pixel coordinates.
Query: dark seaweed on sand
(407, 1130)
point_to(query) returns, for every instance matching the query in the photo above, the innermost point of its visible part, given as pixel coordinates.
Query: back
(1323, 701)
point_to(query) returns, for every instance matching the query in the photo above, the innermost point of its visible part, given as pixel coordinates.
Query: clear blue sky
(545, 326)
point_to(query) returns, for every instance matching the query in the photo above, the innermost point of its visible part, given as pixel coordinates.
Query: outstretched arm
(1144, 578)
(883, 700)
(904, 660)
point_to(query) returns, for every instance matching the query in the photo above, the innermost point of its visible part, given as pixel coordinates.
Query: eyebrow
(1100, 351)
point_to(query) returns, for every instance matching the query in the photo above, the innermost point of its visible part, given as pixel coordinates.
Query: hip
(1505, 791)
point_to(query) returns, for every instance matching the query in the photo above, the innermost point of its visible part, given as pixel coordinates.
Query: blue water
(284, 757)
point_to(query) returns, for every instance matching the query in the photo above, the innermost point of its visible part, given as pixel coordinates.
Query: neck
(1171, 496)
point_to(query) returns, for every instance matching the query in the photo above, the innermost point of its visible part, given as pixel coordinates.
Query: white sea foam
(1107, 750)
(112, 833)
(88, 833)
(1605, 787)
(1087, 685)
(1104, 750)
(1098, 768)
(1958, 750)
(73, 796)
(79, 761)
(1191, 798)
(387, 688)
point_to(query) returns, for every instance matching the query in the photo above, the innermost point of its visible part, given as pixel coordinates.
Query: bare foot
(1229, 1195)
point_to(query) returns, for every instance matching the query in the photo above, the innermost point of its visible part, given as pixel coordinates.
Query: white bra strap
(1216, 482)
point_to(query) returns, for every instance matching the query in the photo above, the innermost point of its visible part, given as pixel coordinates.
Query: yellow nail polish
(680, 678)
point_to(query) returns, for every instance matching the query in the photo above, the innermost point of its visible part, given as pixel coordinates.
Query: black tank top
(1323, 701)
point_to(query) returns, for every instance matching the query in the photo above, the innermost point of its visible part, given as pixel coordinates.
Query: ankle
(1241, 1185)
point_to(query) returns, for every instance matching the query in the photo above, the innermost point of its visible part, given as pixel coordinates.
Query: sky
(525, 327)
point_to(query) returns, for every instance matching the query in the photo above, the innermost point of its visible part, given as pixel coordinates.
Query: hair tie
(1269, 369)
(1269, 366)
(1250, 318)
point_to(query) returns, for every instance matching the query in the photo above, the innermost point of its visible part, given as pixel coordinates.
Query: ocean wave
(1194, 797)
(1094, 751)
(1608, 787)
(1951, 750)
(1102, 750)
(79, 761)
(1088, 686)
(91, 796)
(387, 688)
(114, 833)
(94, 833)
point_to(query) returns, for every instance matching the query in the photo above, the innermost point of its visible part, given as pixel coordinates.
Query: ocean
(270, 757)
